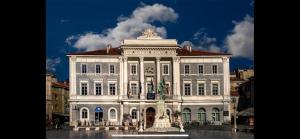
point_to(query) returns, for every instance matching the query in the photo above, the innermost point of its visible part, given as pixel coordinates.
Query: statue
(161, 89)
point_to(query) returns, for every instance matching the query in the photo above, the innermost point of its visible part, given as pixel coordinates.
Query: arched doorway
(150, 117)
(98, 115)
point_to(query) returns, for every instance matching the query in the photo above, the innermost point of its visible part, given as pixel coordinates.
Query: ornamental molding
(150, 52)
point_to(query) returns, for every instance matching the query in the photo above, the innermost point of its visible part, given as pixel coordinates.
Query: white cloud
(127, 27)
(51, 63)
(240, 43)
(203, 42)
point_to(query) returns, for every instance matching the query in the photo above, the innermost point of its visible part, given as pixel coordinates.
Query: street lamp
(234, 114)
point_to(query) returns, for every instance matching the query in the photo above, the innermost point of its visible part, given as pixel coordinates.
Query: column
(72, 75)
(157, 71)
(176, 77)
(121, 78)
(142, 78)
(226, 91)
(125, 79)
(72, 93)
(121, 112)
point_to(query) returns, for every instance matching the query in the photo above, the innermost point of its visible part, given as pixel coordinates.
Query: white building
(107, 83)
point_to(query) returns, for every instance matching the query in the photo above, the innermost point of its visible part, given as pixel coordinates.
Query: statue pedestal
(161, 117)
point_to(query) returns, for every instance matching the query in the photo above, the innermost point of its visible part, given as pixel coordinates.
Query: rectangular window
(215, 71)
(83, 88)
(187, 89)
(98, 88)
(83, 68)
(215, 89)
(133, 69)
(166, 69)
(200, 69)
(134, 88)
(98, 68)
(201, 89)
(111, 68)
(186, 69)
(112, 89)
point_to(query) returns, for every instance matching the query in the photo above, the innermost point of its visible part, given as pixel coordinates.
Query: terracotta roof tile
(112, 51)
(184, 52)
(61, 85)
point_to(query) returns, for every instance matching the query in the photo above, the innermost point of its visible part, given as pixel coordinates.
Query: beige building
(57, 96)
(244, 74)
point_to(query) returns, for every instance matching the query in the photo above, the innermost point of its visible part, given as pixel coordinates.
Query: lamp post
(234, 114)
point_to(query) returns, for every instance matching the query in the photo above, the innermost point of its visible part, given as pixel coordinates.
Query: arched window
(112, 114)
(134, 114)
(215, 114)
(201, 115)
(84, 113)
(186, 114)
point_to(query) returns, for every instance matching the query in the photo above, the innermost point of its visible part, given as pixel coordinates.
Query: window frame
(88, 113)
(186, 113)
(87, 87)
(199, 68)
(81, 68)
(137, 88)
(212, 87)
(200, 114)
(109, 114)
(116, 91)
(163, 69)
(215, 115)
(184, 70)
(109, 69)
(190, 83)
(98, 82)
(99, 68)
(216, 68)
(204, 88)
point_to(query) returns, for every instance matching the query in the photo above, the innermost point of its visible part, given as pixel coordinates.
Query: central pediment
(149, 38)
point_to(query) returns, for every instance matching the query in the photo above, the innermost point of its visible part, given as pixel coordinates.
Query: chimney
(188, 47)
(108, 47)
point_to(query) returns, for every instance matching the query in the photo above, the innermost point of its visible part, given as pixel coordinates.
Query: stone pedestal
(126, 128)
(161, 117)
(97, 128)
(87, 128)
(106, 128)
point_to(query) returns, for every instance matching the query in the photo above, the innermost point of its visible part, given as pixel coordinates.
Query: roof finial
(149, 33)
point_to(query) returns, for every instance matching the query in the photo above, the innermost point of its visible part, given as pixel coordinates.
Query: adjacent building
(57, 96)
(109, 83)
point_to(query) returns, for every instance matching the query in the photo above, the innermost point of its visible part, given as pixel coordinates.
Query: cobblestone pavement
(193, 134)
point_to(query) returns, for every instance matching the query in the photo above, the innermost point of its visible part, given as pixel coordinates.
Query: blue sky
(213, 25)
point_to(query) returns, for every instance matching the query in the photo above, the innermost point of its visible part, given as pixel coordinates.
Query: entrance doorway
(98, 115)
(150, 117)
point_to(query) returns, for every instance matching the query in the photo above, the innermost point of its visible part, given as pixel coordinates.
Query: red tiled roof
(60, 85)
(112, 51)
(184, 52)
(234, 93)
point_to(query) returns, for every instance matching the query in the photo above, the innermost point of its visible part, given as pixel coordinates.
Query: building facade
(107, 84)
(57, 98)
